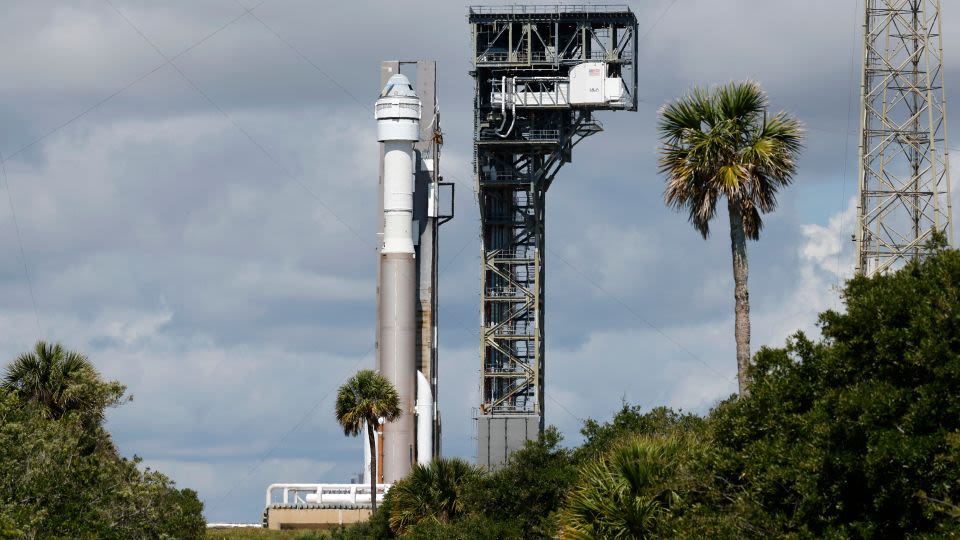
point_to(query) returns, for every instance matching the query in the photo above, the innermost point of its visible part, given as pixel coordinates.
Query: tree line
(853, 435)
(61, 476)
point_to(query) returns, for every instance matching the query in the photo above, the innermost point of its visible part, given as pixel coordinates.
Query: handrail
(345, 494)
(551, 8)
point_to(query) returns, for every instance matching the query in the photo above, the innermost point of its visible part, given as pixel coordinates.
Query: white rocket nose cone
(398, 86)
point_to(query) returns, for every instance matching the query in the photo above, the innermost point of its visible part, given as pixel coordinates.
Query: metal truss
(904, 168)
(525, 130)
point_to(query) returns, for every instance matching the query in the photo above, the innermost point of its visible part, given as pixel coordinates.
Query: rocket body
(398, 127)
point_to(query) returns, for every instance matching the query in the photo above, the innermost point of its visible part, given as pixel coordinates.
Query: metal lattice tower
(540, 73)
(904, 167)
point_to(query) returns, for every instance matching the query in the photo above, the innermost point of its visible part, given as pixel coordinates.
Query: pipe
(513, 109)
(366, 455)
(424, 420)
(344, 494)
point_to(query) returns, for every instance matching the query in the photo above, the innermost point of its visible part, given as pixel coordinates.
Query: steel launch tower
(904, 164)
(540, 73)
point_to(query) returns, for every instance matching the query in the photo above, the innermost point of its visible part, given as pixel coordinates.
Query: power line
(562, 406)
(319, 69)
(23, 255)
(296, 427)
(126, 87)
(846, 141)
(657, 22)
(630, 310)
(304, 57)
(296, 179)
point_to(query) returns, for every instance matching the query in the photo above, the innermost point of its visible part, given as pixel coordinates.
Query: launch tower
(904, 165)
(540, 74)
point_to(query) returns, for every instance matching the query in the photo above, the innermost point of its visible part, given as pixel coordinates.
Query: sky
(189, 198)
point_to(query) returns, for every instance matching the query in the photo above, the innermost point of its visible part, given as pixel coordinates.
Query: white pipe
(356, 494)
(424, 420)
(366, 454)
(503, 109)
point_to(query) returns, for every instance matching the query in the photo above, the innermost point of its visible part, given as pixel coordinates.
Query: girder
(904, 189)
(527, 118)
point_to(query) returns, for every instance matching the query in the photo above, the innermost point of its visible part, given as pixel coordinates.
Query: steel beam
(904, 185)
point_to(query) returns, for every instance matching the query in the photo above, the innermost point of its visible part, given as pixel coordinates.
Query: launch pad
(540, 73)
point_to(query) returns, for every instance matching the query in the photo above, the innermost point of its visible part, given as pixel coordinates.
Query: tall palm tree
(365, 399)
(430, 493)
(61, 381)
(722, 143)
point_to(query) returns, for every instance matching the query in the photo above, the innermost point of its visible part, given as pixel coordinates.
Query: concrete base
(314, 518)
(500, 436)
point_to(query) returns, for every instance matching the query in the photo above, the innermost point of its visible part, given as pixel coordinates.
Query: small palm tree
(61, 382)
(430, 493)
(365, 399)
(627, 492)
(723, 144)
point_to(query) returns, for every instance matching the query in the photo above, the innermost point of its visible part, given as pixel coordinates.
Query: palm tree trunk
(741, 296)
(373, 468)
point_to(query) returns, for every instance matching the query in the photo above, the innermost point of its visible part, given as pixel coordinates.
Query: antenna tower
(904, 167)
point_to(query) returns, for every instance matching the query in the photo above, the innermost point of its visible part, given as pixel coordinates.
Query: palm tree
(61, 382)
(430, 493)
(723, 144)
(629, 491)
(365, 399)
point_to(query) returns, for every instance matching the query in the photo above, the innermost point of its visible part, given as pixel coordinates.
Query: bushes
(61, 477)
(430, 494)
(856, 435)
(530, 488)
(630, 490)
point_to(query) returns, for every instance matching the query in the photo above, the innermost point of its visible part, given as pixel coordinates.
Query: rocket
(408, 439)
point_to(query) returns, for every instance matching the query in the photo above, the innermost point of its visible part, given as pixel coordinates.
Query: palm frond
(366, 398)
(628, 492)
(61, 382)
(724, 144)
(430, 493)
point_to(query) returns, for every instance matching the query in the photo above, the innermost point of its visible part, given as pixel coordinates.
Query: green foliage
(60, 475)
(854, 436)
(858, 435)
(631, 421)
(257, 533)
(722, 143)
(432, 493)
(470, 527)
(365, 398)
(62, 382)
(630, 491)
(529, 489)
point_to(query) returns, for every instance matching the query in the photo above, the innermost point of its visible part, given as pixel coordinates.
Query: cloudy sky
(204, 228)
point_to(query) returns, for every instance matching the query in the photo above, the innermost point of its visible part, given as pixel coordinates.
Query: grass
(254, 534)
